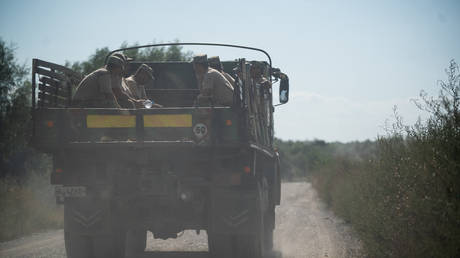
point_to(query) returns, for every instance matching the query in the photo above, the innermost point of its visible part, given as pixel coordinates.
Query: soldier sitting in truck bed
(214, 62)
(214, 88)
(135, 85)
(101, 88)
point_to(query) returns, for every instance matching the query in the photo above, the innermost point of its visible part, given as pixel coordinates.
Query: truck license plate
(70, 191)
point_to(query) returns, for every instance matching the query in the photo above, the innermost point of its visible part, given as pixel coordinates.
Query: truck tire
(220, 245)
(269, 227)
(249, 246)
(136, 242)
(79, 246)
(252, 245)
(240, 245)
(235, 246)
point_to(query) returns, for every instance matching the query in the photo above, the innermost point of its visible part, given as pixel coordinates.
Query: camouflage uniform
(95, 90)
(213, 86)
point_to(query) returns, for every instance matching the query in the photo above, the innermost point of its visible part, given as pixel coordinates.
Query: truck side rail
(55, 84)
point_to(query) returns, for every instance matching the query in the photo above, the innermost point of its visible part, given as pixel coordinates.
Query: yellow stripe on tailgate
(110, 121)
(179, 120)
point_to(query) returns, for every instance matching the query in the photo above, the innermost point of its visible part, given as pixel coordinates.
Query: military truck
(122, 172)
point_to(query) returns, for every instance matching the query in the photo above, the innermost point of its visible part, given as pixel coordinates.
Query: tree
(14, 113)
(96, 60)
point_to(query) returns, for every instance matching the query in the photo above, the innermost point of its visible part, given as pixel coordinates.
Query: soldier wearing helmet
(136, 84)
(214, 62)
(257, 74)
(102, 87)
(214, 88)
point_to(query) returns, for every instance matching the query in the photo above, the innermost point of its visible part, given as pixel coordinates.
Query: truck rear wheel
(269, 227)
(235, 246)
(80, 246)
(245, 245)
(252, 245)
(83, 243)
(77, 246)
(249, 246)
(220, 245)
(136, 242)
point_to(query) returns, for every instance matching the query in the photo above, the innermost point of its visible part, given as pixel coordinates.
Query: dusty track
(304, 228)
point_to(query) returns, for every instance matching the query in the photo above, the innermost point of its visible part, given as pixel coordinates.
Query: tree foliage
(14, 113)
(96, 60)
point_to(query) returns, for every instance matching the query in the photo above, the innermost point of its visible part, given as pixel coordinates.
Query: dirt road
(304, 228)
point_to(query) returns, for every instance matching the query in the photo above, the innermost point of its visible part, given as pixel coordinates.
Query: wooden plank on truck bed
(50, 81)
(51, 74)
(61, 68)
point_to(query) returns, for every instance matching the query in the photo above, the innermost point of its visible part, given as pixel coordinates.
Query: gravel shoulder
(304, 228)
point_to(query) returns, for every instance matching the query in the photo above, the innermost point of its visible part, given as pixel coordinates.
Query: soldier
(214, 88)
(101, 88)
(136, 85)
(125, 98)
(258, 76)
(214, 62)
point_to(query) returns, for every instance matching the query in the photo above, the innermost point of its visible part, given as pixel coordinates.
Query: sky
(349, 62)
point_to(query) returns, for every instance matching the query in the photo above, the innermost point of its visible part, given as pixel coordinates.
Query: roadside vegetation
(26, 198)
(401, 193)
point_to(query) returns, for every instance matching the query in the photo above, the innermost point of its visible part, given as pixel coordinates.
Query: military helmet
(200, 59)
(145, 69)
(115, 60)
(257, 64)
(121, 55)
(214, 62)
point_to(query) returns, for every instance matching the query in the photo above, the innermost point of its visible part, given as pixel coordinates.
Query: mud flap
(234, 211)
